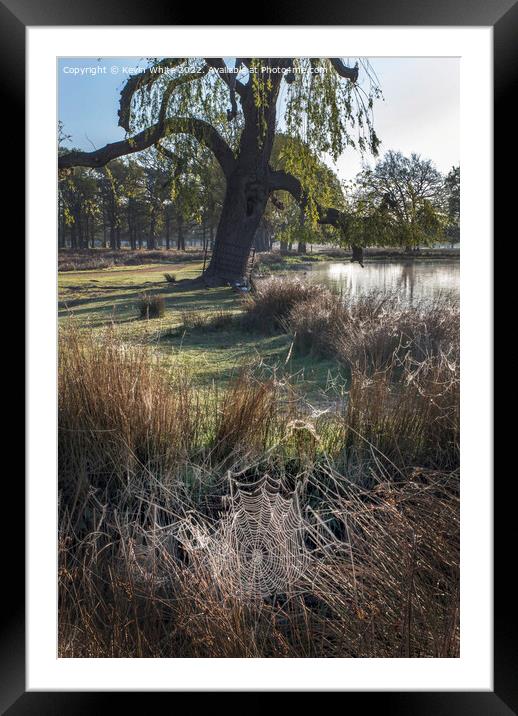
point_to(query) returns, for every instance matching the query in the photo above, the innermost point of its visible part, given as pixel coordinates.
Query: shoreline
(105, 259)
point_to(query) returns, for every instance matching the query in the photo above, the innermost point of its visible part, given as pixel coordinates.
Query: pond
(412, 280)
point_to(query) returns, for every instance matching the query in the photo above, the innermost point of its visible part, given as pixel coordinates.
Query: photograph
(258, 357)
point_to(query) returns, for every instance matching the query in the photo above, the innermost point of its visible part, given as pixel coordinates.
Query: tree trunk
(113, 238)
(62, 242)
(167, 231)
(151, 241)
(262, 239)
(284, 248)
(73, 235)
(180, 240)
(131, 232)
(301, 248)
(243, 207)
(204, 235)
(80, 233)
(247, 189)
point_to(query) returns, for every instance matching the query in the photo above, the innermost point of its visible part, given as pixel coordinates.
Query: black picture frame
(15, 16)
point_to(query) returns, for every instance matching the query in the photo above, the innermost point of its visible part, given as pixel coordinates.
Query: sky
(419, 111)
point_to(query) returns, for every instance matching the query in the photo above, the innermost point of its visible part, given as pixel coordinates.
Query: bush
(170, 277)
(374, 331)
(312, 323)
(268, 307)
(151, 306)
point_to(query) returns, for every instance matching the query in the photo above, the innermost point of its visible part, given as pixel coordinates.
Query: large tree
(235, 109)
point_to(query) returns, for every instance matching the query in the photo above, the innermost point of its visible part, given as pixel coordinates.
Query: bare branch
(198, 128)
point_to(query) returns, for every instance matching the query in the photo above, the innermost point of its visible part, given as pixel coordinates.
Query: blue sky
(420, 110)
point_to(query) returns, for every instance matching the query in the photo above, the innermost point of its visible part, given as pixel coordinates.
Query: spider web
(257, 548)
(261, 541)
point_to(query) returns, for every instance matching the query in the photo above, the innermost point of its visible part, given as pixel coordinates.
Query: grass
(94, 300)
(170, 429)
(148, 473)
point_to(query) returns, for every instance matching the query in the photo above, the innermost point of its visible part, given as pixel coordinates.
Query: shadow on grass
(178, 299)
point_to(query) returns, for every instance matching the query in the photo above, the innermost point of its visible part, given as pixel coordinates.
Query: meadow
(274, 474)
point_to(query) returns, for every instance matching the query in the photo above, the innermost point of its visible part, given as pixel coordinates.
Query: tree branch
(230, 79)
(198, 128)
(143, 79)
(172, 86)
(282, 181)
(349, 73)
(179, 163)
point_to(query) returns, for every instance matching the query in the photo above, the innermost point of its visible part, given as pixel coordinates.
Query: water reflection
(411, 280)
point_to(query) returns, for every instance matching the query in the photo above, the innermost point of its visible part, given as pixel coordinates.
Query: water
(412, 280)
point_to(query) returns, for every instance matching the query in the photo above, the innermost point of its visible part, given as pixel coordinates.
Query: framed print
(259, 357)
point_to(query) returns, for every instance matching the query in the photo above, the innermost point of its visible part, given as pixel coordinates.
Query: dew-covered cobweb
(258, 545)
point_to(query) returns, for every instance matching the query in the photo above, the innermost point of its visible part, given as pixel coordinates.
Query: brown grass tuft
(151, 306)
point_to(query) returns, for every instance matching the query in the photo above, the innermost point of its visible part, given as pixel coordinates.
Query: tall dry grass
(117, 410)
(382, 579)
(411, 418)
(146, 461)
(267, 308)
(120, 413)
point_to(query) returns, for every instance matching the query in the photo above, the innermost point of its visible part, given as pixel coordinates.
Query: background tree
(136, 210)
(400, 202)
(78, 207)
(233, 110)
(452, 186)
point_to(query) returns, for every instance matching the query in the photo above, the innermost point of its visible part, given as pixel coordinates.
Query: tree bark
(243, 207)
(262, 239)
(247, 189)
